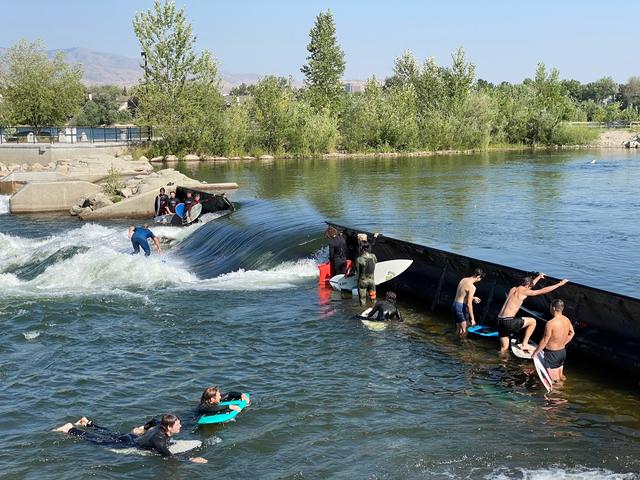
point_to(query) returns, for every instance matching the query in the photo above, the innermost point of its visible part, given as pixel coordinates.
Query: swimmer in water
(153, 436)
(211, 398)
(386, 309)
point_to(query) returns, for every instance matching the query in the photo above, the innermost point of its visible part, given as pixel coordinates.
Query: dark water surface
(90, 330)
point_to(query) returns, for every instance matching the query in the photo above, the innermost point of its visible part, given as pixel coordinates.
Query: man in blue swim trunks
(139, 235)
(462, 306)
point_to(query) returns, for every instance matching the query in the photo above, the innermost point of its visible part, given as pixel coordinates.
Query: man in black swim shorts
(557, 334)
(509, 323)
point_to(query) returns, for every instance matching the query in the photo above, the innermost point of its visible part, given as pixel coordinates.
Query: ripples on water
(90, 330)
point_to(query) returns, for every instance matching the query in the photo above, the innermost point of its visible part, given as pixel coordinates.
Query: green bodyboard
(223, 417)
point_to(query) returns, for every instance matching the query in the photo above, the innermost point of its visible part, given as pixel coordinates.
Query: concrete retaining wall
(50, 196)
(45, 153)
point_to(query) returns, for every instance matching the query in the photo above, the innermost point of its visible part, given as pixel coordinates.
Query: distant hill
(102, 68)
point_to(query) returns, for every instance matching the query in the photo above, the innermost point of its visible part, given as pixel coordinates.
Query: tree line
(422, 106)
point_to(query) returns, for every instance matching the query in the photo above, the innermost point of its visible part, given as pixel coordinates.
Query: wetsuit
(188, 203)
(507, 326)
(139, 239)
(171, 204)
(155, 437)
(384, 310)
(554, 358)
(460, 312)
(160, 203)
(215, 408)
(366, 266)
(338, 254)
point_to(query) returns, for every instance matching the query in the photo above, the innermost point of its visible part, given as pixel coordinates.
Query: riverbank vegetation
(423, 105)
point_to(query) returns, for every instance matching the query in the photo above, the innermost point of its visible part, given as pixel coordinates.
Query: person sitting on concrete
(173, 201)
(139, 235)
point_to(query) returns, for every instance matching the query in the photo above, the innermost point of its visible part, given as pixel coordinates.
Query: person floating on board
(365, 268)
(337, 251)
(138, 234)
(462, 306)
(160, 203)
(509, 323)
(154, 436)
(557, 334)
(386, 309)
(211, 398)
(171, 204)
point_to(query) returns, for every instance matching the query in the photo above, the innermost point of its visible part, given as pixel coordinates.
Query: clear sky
(584, 39)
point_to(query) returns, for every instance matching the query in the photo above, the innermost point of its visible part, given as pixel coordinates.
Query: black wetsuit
(384, 310)
(160, 203)
(188, 203)
(155, 439)
(171, 204)
(103, 436)
(215, 408)
(338, 254)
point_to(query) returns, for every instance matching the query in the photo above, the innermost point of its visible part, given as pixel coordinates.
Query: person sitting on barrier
(462, 306)
(386, 309)
(509, 323)
(139, 235)
(152, 436)
(211, 398)
(188, 203)
(170, 208)
(365, 268)
(337, 251)
(557, 334)
(160, 203)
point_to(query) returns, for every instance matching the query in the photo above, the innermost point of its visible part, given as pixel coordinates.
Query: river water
(90, 330)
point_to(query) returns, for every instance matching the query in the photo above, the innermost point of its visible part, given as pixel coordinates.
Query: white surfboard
(175, 447)
(518, 352)
(195, 212)
(384, 272)
(544, 376)
(163, 219)
(371, 324)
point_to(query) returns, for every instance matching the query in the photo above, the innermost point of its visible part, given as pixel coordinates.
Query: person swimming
(153, 436)
(211, 398)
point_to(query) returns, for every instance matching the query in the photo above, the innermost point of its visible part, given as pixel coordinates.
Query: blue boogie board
(223, 417)
(483, 331)
(180, 209)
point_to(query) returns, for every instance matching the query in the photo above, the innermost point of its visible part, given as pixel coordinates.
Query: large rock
(171, 158)
(156, 159)
(191, 157)
(266, 157)
(99, 200)
(143, 158)
(37, 167)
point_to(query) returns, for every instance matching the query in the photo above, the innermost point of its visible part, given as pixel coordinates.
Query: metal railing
(73, 135)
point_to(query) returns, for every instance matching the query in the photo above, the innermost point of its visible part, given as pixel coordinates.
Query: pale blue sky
(505, 39)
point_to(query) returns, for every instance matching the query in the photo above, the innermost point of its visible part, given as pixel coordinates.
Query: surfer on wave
(139, 235)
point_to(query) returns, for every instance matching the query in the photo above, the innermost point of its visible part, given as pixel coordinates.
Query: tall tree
(180, 93)
(325, 67)
(36, 90)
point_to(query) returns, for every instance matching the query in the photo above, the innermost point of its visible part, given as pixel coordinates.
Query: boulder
(99, 200)
(171, 158)
(157, 160)
(143, 158)
(266, 157)
(37, 167)
(248, 158)
(51, 165)
(191, 157)
(126, 192)
(78, 209)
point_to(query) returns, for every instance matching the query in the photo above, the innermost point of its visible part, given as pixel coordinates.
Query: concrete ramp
(50, 196)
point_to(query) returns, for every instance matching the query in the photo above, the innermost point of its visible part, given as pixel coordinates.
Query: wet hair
(527, 280)
(478, 272)
(557, 305)
(209, 394)
(391, 297)
(331, 232)
(168, 420)
(161, 189)
(145, 225)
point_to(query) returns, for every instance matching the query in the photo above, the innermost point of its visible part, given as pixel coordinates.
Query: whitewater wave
(558, 473)
(95, 259)
(4, 204)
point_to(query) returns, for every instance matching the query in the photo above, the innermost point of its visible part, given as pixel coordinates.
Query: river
(90, 330)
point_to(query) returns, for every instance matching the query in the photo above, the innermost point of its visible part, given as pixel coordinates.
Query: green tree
(37, 91)
(180, 94)
(272, 112)
(631, 92)
(600, 90)
(325, 67)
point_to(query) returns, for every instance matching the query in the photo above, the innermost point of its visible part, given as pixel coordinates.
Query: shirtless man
(508, 323)
(462, 306)
(557, 334)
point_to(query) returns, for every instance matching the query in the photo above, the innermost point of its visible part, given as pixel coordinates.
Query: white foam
(4, 204)
(558, 473)
(32, 335)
